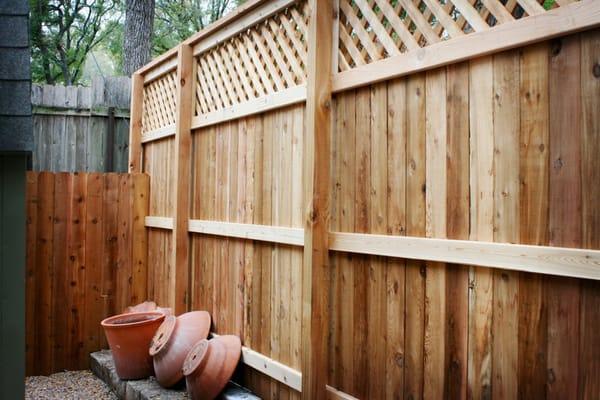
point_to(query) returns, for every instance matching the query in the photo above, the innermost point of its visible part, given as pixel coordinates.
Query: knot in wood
(596, 70)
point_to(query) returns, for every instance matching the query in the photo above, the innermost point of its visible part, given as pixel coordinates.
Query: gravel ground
(70, 385)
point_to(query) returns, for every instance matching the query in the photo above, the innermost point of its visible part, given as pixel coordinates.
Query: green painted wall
(12, 276)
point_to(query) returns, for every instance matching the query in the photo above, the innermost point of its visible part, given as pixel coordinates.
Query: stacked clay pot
(172, 342)
(129, 336)
(210, 364)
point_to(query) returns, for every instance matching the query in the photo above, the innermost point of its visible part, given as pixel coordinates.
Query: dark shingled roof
(15, 77)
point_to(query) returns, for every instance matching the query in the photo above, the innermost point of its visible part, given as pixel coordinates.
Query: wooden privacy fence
(384, 199)
(79, 128)
(84, 236)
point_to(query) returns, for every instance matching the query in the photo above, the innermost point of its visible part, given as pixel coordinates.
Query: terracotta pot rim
(205, 351)
(155, 315)
(166, 329)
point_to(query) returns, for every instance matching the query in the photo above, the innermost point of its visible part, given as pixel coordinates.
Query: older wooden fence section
(81, 128)
(84, 236)
(384, 198)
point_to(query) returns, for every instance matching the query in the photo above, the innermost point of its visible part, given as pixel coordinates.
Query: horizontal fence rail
(444, 153)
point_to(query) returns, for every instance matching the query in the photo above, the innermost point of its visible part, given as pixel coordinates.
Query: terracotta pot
(147, 306)
(173, 340)
(129, 337)
(209, 366)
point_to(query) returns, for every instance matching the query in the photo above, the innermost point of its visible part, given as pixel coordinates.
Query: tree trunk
(139, 21)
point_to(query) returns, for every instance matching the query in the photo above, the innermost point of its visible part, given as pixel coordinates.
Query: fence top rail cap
(235, 14)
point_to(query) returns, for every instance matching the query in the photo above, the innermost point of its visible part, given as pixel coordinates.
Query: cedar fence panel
(82, 233)
(81, 128)
(424, 224)
(421, 224)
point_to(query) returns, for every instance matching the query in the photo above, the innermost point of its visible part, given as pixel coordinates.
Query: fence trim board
(336, 394)
(287, 97)
(66, 112)
(158, 222)
(265, 233)
(280, 372)
(157, 134)
(561, 21)
(164, 67)
(568, 262)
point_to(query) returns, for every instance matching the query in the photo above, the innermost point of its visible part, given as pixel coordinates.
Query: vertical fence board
(589, 361)
(415, 226)
(377, 200)
(435, 282)
(361, 224)
(44, 348)
(60, 280)
(32, 286)
(565, 212)
(94, 258)
(506, 222)
(396, 225)
(533, 218)
(457, 227)
(76, 272)
(481, 108)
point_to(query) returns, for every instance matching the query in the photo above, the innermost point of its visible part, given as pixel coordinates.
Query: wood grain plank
(415, 226)
(361, 224)
(533, 217)
(565, 213)
(94, 255)
(180, 290)
(589, 360)
(396, 225)
(435, 285)
(376, 289)
(139, 238)
(457, 227)
(31, 288)
(506, 222)
(315, 268)
(60, 296)
(110, 248)
(123, 264)
(481, 108)
(44, 346)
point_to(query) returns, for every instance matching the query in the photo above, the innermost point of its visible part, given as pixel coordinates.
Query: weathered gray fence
(81, 128)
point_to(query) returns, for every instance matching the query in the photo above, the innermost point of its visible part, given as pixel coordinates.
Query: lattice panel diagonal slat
(371, 30)
(159, 103)
(266, 58)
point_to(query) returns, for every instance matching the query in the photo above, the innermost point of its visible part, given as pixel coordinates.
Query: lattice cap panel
(160, 102)
(370, 30)
(266, 58)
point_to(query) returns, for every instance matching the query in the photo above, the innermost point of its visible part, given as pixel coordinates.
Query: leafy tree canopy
(64, 32)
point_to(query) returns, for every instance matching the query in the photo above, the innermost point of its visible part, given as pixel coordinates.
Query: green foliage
(63, 32)
(176, 20)
(549, 4)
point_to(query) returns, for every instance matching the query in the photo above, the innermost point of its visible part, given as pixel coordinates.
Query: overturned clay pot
(210, 364)
(172, 342)
(129, 336)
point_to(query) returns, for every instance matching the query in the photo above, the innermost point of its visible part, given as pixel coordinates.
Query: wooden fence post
(315, 272)
(183, 139)
(135, 123)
